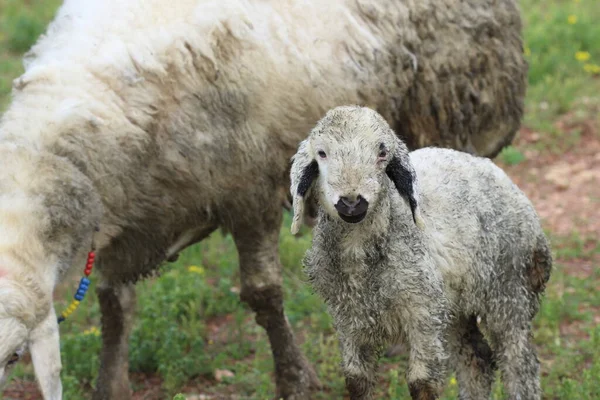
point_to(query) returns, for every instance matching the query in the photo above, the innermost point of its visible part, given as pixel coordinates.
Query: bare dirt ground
(565, 188)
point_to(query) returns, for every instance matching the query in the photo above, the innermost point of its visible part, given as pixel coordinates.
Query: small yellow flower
(527, 51)
(582, 56)
(572, 19)
(452, 381)
(210, 341)
(92, 331)
(591, 68)
(196, 269)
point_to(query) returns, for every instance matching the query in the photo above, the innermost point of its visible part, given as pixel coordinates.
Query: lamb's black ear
(303, 174)
(401, 172)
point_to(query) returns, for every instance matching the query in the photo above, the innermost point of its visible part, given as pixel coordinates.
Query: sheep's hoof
(298, 385)
(314, 382)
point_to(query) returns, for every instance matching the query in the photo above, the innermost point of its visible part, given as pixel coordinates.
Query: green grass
(555, 31)
(511, 155)
(174, 337)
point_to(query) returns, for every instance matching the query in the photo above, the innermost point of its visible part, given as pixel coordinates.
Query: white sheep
(417, 247)
(159, 121)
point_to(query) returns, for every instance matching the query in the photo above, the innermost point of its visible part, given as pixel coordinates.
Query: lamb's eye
(13, 359)
(322, 154)
(382, 153)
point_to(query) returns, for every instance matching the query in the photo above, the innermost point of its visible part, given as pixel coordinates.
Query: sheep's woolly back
(182, 114)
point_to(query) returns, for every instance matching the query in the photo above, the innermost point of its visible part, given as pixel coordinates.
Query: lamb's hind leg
(261, 279)
(474, 360)
(518, 361)
(117, 305)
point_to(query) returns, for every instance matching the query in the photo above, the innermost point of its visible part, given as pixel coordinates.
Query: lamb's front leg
(425, 330)
(359, 363)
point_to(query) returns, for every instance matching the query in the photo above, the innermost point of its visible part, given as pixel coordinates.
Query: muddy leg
(117, 306)
(474, 360)
(261, 280)
(518, 362)
(359, 362)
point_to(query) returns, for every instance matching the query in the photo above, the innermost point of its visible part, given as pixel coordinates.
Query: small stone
(560, 175)
(221, 374)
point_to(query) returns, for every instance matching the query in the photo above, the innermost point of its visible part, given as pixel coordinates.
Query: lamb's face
(352, 164)
(346, 162)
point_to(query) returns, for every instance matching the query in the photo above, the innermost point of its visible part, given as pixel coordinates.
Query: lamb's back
(478, 219)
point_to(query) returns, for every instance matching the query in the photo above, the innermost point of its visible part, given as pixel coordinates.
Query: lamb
(436, 247)
(160, 121)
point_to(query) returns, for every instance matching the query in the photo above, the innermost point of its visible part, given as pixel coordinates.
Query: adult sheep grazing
(419, 246)
(159, 121)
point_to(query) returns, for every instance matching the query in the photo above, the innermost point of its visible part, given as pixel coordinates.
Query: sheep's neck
(48, 209)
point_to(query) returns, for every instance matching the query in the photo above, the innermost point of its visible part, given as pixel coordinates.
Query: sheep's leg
(474, 360)
(518, 361)
(261, 279)
(359, 363)
(117, 305)
(428, 357)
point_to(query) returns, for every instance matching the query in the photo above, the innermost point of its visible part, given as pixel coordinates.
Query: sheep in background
(160, 121)
(418, 246)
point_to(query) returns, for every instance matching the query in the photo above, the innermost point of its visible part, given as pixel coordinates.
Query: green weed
(511, 155)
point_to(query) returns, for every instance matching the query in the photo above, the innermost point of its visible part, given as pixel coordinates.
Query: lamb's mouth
(353, 219)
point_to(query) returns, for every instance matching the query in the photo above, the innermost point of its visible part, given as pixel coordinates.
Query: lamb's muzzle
(352, 211)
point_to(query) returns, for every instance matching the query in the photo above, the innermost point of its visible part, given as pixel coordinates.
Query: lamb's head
(346, 163)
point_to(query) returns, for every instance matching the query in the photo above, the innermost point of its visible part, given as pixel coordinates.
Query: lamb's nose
(350, 203)
(350, 207)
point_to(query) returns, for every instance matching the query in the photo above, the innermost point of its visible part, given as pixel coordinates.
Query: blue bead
(85, 281)
(78, 296)
(61, 319)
